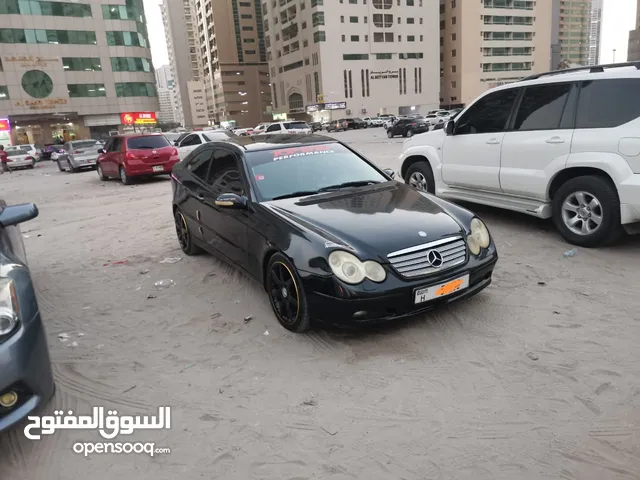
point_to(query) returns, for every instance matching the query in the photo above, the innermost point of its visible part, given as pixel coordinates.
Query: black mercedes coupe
(330, 236)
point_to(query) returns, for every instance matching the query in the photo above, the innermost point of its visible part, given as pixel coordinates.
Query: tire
(184, 235)
(101, 175)
(390, 134)
(420, 176)
(282, 281)
(409, 133)
(59, 166)
(124, 178)
(32, 166)
(72, 169)
(577, 222)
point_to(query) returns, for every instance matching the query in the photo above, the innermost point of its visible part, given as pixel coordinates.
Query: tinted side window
(224, 176)
(608, 103)
(541, 107)
(107, 146)
(199, 164)
(191, 140)
(489, 114)
(116, 145)
(274, 128)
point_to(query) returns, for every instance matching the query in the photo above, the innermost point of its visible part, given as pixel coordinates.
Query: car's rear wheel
(124, 178)
(286, 294)
(101, 174)
(72, 169)
(184, 235)
(409, 133)
(59, 166)
(420, 177)
(390, 134)
(586, 211)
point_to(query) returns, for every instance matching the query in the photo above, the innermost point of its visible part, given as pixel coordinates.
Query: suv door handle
(493, 141)
(555, 140)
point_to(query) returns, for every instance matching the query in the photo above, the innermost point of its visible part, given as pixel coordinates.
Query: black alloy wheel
(184, 235)
(286, 294)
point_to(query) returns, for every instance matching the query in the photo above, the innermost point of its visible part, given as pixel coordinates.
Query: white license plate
(425, 294)
(158, 168)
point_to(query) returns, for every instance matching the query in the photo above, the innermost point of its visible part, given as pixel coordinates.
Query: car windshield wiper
(301, 193)
(358, 183)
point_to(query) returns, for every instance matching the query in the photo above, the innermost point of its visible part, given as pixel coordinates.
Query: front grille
(414, 261)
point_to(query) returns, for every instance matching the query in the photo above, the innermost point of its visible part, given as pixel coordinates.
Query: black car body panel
(370, 222)
(25, 367)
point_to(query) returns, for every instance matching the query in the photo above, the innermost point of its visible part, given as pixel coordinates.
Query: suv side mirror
(389, 172)
(231, 200)
(449, 129)
(16, 214)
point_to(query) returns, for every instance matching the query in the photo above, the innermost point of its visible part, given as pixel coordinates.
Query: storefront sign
(138, 118)
(381, 75)
(326, 106)
(5, 126)
(43, 104)
(31, 61)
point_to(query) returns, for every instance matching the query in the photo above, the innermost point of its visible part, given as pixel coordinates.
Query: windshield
(84, 144)
(213, 136)
(294, 125)
(307, 169)
(146, 143)
(17, 152)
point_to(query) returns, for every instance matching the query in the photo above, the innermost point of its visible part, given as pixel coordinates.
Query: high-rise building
(633, 54)
(186, 64)
(164, 77)
(74, 70)
(167, 97)
(234, 59)
(511, 40)
(577, 31)
(356, 59)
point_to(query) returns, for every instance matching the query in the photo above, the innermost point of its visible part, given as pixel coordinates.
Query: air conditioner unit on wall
(363, 110)
(348, 111)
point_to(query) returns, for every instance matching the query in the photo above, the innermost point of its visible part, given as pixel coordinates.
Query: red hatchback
(137, 155)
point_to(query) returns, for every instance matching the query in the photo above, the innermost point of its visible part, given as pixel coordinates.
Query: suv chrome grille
(429, 258)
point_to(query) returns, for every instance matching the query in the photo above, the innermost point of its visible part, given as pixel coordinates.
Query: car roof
(272, 142)
(138, 134)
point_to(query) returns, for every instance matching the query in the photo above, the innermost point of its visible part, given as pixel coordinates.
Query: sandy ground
(537, 377)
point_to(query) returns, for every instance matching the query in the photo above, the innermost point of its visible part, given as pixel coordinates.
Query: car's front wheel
(586, 211)
(184, 235)
(390, 134)
(59, 166)
(420, 177)
(409, 133)
(286, 294)
(124, 178)
(72, 169)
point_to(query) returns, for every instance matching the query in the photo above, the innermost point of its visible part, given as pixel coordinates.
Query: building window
(453, 84)
(350, 86)
(453, 3)
(415, 80)
(419, 79)
(246, 16)
(411, 38)
(383, 21)
(404, 80)
(453, 52)
(275, 95)
(4, 92)
(70, 37)
(355, 56)
(411, 56)
(130, 64)
(346, 84)
(353, 19)
(384, 56)
(411, 21)
(410, 3)
(454, 37)
(319, 36)
(305, 43)
(454, 69)
(136, 89)
(421, 38)
(353, 1)
(317, 18)
(316, 3)
(382, 4)
(344, 38)
(249, 40)
(316, 82)
(400, 81)
(80, 64)
(250, 52)
(86, 90)
(365, 19)
(127, 39)
(453, 20)
(362, 83)
(355, 38)
(341, 18)
(292, 66)
(56, 9)
(366, 38)
(247, 29)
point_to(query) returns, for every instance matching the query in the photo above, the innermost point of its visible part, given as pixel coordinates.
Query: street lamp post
(614, 55)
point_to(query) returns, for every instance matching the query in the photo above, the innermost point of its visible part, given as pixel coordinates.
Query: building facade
(178, 17)
(577, 32)
(236, 74)
(361, 59)
(164, 77)
(74, 70)
(633, 53)
(486, 43)
(167, 96)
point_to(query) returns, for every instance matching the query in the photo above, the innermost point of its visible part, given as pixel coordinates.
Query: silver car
(19, 158)
(78, 154)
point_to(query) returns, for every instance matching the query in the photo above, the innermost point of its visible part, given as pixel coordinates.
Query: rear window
(221, 135)
(145, 143)
(608, 103)
(85, 144)
(294, 125)
(17, 152)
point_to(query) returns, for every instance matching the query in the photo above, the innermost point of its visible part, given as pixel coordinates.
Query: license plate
(158, 168)
(425, 294)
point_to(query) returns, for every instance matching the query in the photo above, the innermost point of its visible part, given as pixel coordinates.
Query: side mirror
(231, 200)
(450, 127)
(176, 144)
(390, 172)
(15, 214)
(101, 150)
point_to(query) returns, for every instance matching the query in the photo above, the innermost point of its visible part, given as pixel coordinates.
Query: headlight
(479, 237)
(350, 269)
(9, 311)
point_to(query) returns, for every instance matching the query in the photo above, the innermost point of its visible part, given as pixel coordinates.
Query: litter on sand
(266, 332)
(171, 260)
(166, 283)
(73, 344)
(63, 337)
(248, 318)
(119, 262)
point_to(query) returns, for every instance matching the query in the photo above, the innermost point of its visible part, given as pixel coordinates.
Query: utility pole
(614, 55)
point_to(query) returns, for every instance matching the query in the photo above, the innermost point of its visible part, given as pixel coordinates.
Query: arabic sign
(326, 106)
(138, 118)
(109, 426)
(31, 61)
(42, 104)
(5, 126)
(286, 153)
(383, 74)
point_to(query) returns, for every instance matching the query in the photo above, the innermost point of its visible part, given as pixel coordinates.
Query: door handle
(493, 141)
(555, 140)
(200, 197)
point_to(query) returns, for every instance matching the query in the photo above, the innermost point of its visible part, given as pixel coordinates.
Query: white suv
(288, 128)
(563, 145)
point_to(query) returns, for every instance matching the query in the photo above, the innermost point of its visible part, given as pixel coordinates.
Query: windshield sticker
(336, 245)
(301, 152)
(259, 177)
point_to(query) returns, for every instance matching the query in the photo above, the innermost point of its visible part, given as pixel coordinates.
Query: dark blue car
(26, 381)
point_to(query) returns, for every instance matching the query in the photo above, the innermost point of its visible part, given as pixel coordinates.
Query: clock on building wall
(37, 83)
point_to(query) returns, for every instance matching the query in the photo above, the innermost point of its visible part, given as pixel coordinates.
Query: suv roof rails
(592, 69)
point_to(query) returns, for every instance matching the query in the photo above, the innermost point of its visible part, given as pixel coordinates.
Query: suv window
(489, 114)
(274, 128)
(608, 103)
(190, 141)
(294, 125)
(541, 107)
(147, 142)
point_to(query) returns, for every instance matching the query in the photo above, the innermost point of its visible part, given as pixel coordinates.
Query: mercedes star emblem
(435, 258)
(422, 234)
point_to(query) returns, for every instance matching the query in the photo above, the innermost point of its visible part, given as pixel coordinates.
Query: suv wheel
(586, 211)
(420, 177)
(410, 133)
(390, 134)
(124, 178)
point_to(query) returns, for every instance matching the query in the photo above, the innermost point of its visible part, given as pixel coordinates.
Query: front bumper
(332, 301)
(25, 368)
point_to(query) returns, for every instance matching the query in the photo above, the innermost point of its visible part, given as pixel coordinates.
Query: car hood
(371, 221)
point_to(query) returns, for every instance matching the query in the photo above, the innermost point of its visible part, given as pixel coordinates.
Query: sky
(618, 19)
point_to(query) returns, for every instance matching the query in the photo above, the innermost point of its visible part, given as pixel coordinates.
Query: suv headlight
(479, 237)
(350, 269)
(9, 310)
